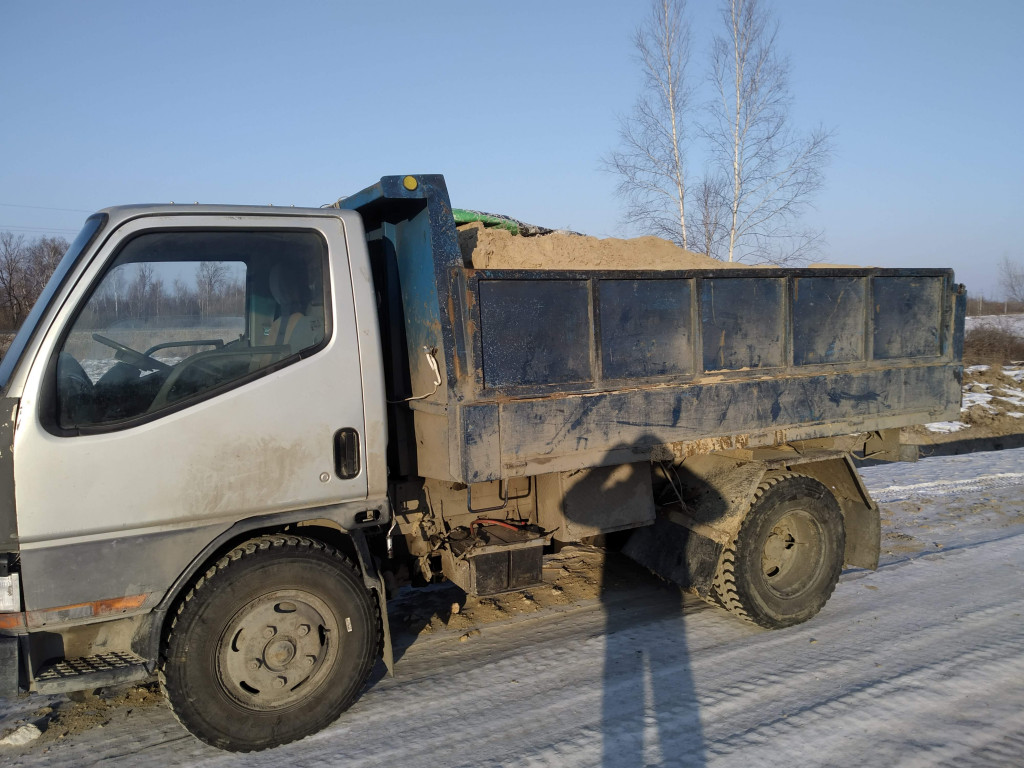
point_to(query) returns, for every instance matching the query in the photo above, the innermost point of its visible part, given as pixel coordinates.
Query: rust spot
(62, 613)
(703, 445)
(12, 620)
(459, 373)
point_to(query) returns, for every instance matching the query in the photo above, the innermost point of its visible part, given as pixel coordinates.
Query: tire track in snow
(948, 487)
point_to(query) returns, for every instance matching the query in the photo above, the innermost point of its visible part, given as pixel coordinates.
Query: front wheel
(786, 559)
(271, 644)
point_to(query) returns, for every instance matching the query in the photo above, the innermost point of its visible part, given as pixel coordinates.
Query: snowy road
(918, 663)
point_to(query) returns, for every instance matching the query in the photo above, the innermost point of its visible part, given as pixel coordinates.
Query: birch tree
(708, 214)
(210, 279)
(651, 162)
(772, 170)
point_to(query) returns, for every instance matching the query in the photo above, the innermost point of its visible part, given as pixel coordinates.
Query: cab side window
(180, 316)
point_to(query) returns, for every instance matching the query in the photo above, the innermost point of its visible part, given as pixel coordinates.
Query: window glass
(92, 227)
(180, 315)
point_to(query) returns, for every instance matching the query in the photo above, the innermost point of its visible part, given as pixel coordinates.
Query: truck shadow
(417, 611)
(972, 445)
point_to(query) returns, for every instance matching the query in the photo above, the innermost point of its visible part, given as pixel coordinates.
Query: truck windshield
(92, 227)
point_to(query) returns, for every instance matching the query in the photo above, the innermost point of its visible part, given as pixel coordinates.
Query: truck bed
(552, 371)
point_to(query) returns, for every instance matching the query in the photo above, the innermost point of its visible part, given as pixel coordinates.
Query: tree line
(140, 292)
(131, 291)
(25, 266)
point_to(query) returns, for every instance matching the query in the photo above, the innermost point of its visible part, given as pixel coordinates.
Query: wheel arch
(720, 488)
(734, 482)
(149, 639)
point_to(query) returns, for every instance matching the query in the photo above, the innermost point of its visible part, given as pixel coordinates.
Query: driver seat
(291, 326)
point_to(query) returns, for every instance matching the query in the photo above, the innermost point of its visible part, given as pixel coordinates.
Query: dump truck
(229, 433)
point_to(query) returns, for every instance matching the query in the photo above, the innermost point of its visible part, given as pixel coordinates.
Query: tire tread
(239, 554)
(724, 589)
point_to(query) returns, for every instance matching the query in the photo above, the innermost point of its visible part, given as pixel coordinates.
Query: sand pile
(499, 249)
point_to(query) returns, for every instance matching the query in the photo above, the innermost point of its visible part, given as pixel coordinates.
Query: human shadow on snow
(650, 713)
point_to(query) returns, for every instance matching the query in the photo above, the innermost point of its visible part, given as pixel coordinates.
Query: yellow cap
(410, 183)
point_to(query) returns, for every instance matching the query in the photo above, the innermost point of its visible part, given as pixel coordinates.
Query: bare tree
(651, 163)
(25, 267)
(1011, 275)
(210, 279)
(43, 256)
(708, 214)
(184, 297)
(13, 277)
(138, 293)
(773, 171)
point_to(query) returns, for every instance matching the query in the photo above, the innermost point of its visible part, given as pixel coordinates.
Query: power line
(45, 208)
(37, 229)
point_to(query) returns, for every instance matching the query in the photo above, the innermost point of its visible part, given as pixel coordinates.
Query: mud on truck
(223, 497)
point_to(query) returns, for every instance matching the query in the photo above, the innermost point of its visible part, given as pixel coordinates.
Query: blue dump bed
(548, 370)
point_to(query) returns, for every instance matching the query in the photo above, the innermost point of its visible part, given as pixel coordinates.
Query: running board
(90, 672)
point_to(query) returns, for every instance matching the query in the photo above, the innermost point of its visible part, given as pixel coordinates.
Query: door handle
(346, 453)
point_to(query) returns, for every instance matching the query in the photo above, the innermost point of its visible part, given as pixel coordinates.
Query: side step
(90, 672)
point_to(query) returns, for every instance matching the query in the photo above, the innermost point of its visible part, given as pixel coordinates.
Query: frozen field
(920, 663)
(1011, 323)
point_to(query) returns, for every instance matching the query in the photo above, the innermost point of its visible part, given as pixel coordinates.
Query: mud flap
(372, 580)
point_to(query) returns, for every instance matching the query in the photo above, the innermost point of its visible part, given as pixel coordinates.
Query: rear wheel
(786, 559)
(272, 644)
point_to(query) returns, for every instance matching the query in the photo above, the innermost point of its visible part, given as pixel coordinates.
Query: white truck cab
(191, 372)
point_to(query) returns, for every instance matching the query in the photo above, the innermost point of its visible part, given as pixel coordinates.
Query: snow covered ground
(990, 394)
(1011, 323)
(920, 663)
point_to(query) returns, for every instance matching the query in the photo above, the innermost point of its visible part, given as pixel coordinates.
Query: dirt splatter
(575, 574)
(87, 711)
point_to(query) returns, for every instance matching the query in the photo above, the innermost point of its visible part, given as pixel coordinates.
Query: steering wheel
(133, 357)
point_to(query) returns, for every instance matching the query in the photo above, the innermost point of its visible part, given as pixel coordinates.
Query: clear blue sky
(104, 103)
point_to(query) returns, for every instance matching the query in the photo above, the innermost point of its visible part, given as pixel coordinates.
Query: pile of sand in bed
(494, 248)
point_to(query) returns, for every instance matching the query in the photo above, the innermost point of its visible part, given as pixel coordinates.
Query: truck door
(205, 369)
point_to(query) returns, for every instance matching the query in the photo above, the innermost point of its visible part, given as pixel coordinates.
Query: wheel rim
(278, 649)
(792, 556)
